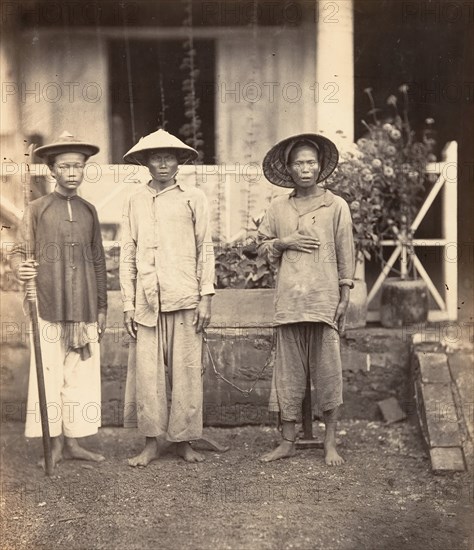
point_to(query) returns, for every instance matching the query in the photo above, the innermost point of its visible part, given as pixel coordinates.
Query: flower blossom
(388, 171)
(395, 134)
(405, 168)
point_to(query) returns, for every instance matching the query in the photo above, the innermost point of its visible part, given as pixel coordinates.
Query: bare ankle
(288, 431)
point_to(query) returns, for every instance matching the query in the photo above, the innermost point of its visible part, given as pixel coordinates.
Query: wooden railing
(226, 186)
(447, 183)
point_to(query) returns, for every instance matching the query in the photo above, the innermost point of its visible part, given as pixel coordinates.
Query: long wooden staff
(33, 310)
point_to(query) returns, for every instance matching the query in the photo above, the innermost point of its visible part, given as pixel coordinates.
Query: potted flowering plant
(353, 180)
(383, 179)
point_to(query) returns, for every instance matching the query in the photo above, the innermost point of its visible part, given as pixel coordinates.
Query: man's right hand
(130, 324)
(27, 270)
(299, 241)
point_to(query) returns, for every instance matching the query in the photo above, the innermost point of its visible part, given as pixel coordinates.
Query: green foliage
(383, 176)
(239, 266)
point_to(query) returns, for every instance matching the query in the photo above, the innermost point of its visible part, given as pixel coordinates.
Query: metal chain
(245, 392)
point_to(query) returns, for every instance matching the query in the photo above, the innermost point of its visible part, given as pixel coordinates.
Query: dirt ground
(384, 497)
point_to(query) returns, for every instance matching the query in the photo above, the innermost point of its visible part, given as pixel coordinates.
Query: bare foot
(184, 450)
(56, 452)
(149, 453)
(331, 456)
(72, 450)
(286, 449)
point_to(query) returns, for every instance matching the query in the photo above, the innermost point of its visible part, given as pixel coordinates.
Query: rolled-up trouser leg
(301, 346)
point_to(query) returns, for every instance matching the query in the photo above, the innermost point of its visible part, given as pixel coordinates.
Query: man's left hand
(202, 314)
(101, 324)
(340, 317)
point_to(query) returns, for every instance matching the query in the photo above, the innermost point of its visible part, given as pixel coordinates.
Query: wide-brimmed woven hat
(276, 160)
(160, 139)
(66, 143)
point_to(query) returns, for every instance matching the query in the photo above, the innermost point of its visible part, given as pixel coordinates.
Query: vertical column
(11, 136)
(10, 106)
(450, 229)
(335, 67)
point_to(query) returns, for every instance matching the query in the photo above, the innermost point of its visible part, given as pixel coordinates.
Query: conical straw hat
(160, 139)
(276, 160)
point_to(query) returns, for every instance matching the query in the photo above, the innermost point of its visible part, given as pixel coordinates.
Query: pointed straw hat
(160, 139)
(66, 143)
(275, 163)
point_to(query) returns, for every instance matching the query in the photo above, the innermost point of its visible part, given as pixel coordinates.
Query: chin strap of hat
(218, 374)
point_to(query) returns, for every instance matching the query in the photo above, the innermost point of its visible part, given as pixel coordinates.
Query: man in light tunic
(167, 281)
(308, 235)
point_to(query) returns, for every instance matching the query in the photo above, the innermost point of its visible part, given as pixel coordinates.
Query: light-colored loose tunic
(167, 253)
(308, 283)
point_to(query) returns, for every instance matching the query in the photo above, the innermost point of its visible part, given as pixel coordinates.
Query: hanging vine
(128, 61)
(162, 122)
(191, 130)
(250, 140)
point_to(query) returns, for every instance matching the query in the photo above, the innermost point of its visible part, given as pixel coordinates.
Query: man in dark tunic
(63, 231)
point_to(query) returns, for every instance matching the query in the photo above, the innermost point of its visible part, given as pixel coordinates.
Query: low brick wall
(240, 339)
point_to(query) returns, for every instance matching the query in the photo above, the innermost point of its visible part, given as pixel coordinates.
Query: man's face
(68, 171)
(303, 166)
(163, 165)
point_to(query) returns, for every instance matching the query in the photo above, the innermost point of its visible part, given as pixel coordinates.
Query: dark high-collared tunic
(72, 277)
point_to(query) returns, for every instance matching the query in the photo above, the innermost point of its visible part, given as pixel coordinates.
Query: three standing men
(167, 276)
(167, 282)
(64, 232)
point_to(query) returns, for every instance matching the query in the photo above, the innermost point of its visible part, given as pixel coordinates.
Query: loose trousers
(72, 385)
(164, 392)
(301, 347)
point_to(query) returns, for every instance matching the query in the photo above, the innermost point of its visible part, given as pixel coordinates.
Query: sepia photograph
(236, 274)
